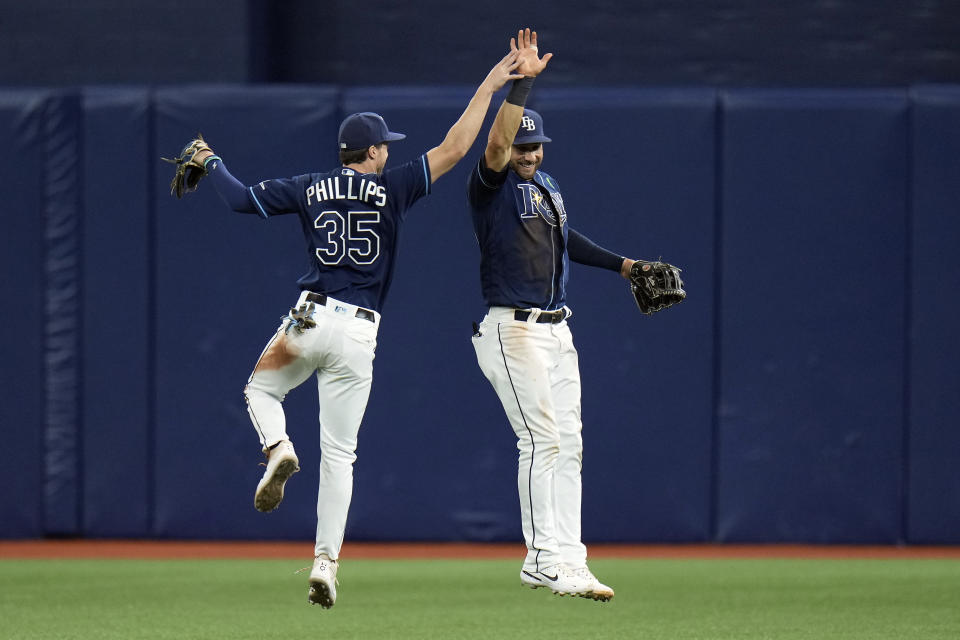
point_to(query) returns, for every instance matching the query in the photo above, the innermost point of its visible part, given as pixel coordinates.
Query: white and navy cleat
(559, 579)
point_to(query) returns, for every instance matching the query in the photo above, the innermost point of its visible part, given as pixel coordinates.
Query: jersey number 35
(354, 237)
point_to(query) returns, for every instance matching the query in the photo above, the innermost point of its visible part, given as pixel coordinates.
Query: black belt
(321, 299)
(551, 317)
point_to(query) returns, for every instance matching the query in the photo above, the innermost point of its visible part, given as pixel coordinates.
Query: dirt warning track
(232, 549)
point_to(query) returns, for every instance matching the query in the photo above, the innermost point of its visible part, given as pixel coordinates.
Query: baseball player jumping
(351, 218)
(524, 346)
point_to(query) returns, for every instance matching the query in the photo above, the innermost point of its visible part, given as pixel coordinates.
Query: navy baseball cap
(361, 130)
(531, 128)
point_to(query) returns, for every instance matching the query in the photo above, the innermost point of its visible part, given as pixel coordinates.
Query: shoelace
(263, 464)
(584, 572)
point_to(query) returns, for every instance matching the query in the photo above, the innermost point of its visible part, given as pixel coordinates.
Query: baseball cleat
(598, 590)
(282, 462)
(559, 579)
(323, 582)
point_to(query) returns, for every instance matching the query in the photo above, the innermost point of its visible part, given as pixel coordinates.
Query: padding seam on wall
(62, 212)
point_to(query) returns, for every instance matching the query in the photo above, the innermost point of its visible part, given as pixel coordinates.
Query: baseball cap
(361, 130)
(531, 128)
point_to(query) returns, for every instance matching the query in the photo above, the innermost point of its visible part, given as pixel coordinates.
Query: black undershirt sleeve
(583, 251)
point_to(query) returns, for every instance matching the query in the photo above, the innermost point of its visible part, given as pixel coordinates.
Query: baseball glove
(189, 170)
(655, 286)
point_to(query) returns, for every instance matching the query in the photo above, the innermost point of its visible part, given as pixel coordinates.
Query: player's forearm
(461, 135)
(464, 131)
(230, 190)
(505, 126)
(584, 251)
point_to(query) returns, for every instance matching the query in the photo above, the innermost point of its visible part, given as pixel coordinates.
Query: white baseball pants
(534, 369)
(340, 350)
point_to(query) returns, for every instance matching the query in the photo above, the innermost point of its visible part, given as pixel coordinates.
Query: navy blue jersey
(523, 257)
(351, 224)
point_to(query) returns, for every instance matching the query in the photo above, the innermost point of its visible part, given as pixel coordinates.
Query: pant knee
(337, 456)
(254, 393)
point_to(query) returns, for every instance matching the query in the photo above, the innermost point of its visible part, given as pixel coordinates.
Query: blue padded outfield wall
(807, 390)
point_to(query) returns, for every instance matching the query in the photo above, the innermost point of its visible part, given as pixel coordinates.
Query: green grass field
(670, 599)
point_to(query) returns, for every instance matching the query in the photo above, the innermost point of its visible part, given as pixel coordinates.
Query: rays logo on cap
(531, 129)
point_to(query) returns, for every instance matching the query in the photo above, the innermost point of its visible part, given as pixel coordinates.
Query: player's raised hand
(531, 64)
(504, 71)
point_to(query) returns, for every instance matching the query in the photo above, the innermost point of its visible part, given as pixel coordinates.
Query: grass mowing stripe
(425, 599)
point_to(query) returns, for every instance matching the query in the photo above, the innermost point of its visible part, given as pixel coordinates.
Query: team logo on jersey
(536, 204)
(528, 123)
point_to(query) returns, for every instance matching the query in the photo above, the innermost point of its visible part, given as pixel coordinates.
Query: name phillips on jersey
(341, 187)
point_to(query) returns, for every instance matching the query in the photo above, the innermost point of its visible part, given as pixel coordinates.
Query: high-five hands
(531, 64)
(504, 71)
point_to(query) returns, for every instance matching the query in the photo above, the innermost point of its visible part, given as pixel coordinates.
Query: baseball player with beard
(524, 346)
(351, 218)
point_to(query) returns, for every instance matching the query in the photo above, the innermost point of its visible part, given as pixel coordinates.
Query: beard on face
(523, 169)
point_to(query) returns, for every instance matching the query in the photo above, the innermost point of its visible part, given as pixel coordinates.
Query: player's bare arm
(625, 269)
(504, 128)
(460, 138)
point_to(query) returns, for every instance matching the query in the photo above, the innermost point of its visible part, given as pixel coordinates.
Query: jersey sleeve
(281, 196)
(484, 182)
(277, 196)
(408, 183)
